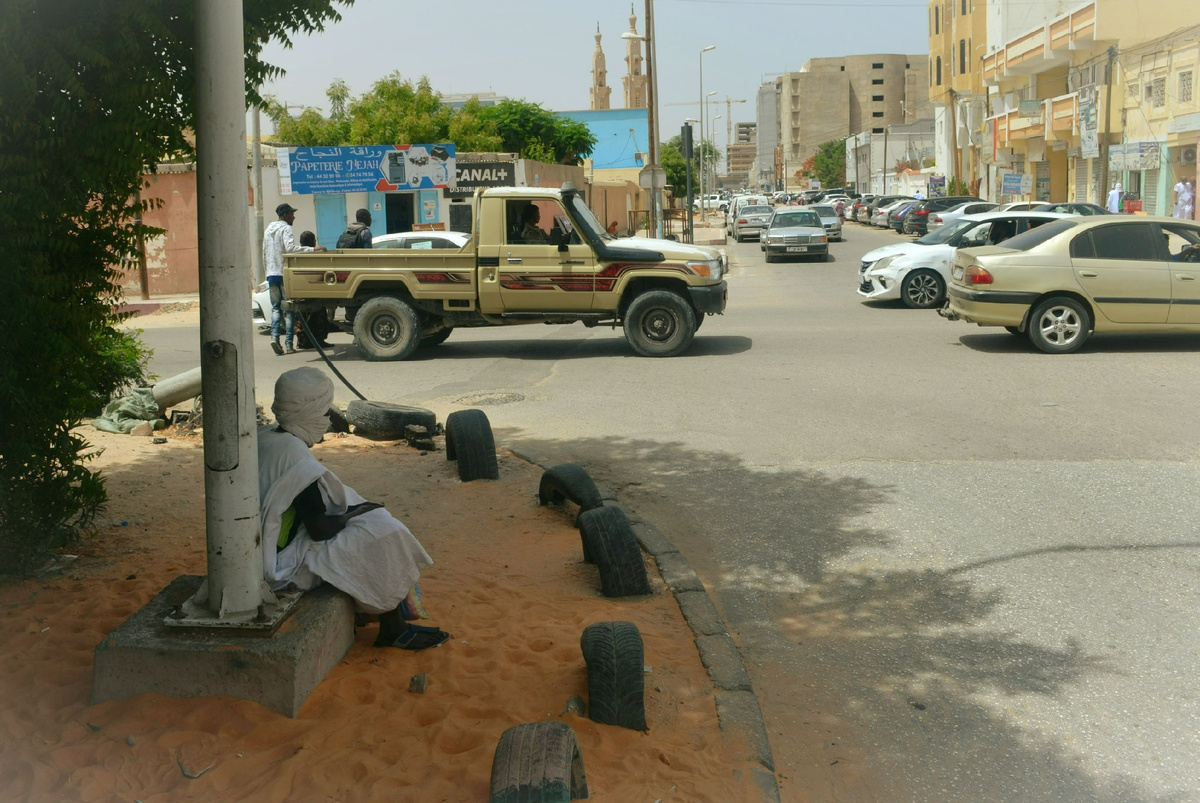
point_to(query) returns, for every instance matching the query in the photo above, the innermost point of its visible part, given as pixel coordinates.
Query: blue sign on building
(366, 168)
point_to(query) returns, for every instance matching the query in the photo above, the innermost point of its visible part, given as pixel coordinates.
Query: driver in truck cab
(530, 231)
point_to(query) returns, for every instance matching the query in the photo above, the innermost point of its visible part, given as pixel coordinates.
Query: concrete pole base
(277, 670)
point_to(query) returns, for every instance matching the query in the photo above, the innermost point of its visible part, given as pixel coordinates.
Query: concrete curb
(738, 711)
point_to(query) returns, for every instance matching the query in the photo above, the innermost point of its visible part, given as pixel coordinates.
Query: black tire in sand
(469, 441)
(609, 542)
(615, 660)
(385, 421)
(538, 762)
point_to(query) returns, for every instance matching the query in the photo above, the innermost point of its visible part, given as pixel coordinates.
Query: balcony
(1044, 47)
(1059, 120)
(1063, 115)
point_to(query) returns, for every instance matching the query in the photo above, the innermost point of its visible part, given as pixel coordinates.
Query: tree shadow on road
(905, 664)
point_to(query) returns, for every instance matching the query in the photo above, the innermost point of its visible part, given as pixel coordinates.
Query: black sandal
(417, 638)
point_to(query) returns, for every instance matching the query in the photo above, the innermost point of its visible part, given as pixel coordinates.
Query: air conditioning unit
(640, 157)
(1187, 156)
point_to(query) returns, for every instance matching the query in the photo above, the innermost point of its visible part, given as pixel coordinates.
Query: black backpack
(351, 238)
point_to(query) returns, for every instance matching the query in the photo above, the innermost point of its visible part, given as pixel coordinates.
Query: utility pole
(656, 224)
(1112, 56)
(887, 129)
(260, 270)
(234, 593)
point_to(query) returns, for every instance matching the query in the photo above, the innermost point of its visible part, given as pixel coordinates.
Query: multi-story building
(745, 132)
(830, 98)
(957, 43)
(766, 129)
(739, 156)
(1049, 112)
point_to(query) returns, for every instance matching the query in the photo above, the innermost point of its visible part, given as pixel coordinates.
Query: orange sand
(508, 582)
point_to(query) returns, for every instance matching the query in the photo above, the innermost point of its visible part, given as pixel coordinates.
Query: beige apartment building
(1049, 111)
(831, 98)
(957, 44)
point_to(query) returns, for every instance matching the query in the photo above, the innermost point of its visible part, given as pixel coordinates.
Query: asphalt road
(958, 569)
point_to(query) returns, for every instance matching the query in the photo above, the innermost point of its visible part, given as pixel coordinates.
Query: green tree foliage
(91, 94)
(828, 164)
(670, 158)
(397, 110)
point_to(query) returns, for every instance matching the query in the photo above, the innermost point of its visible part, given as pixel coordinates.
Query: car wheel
(1059, 325)
(660, 323)
(1014, 330)
(923, 289)
(386, 328)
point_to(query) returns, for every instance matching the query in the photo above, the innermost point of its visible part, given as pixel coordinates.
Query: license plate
(797, 249)
(958, 272)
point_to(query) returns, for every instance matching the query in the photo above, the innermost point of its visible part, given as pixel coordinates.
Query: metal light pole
(686, 140)
(702, 104)
(260, 270)
(234, 592)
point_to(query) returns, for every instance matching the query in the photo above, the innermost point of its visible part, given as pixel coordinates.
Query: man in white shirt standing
(277, 241)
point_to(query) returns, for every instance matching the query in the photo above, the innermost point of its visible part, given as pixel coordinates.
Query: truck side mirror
(562, 248)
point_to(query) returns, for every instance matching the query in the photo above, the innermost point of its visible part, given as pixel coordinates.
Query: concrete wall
(172, 259)
(619, 133)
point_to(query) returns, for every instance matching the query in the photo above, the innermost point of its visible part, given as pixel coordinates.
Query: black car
(882, 200)
(920, 215)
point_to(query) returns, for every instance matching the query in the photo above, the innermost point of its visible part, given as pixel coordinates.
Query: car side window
(395, 244)
(1081, 247)
(1133, 241)
(977, 236)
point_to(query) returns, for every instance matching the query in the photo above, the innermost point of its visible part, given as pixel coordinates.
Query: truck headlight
(710, 268)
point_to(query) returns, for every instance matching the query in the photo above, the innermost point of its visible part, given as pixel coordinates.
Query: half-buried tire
(538, 762)
(616, 681)
(569, 481)
(386, 421)
(469, 441)
(609, 542)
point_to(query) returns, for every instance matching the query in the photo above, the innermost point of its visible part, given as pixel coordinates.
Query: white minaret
(634, 81)
(600, 91)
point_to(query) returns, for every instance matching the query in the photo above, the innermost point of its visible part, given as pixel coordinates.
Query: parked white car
(713, 201)
(939, 219)
(1021, 206)
(917, 272)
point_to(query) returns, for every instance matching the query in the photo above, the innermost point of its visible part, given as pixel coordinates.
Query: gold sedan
(1062, 281)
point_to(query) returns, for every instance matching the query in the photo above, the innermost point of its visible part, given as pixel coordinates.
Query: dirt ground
(508, 583)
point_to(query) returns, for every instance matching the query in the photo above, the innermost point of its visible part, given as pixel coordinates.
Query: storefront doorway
(398, 210)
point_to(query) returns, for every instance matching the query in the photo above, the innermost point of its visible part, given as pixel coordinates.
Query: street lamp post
(703, 97)
(687, 141)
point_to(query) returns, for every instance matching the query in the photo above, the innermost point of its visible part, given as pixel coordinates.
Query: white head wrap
(302, 398)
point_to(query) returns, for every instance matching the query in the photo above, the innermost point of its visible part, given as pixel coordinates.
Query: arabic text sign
(365, 168)
(1016, 183)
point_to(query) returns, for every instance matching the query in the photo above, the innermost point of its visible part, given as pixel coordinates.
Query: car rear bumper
(986, 307)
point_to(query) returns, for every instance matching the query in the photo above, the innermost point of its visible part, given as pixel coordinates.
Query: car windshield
(756, 210)
(946, 233)
(1035, 237)
(783, 220)
(825, 211)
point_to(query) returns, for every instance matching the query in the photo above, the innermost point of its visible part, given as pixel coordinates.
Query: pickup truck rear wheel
(386, 328)
(660, 323)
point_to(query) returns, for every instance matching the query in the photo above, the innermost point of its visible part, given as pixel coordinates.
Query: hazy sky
(542, 51)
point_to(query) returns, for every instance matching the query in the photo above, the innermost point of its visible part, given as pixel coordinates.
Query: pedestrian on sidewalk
(278, 240)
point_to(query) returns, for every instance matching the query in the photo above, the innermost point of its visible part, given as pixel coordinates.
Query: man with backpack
(358, 234)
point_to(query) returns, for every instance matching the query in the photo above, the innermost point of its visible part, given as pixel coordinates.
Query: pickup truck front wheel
(660, 323)
(386, 328)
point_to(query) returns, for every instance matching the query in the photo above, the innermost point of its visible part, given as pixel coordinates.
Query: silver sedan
(795, 232)
(750, 220)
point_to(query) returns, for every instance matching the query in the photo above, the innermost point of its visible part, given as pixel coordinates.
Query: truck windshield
(586, 220)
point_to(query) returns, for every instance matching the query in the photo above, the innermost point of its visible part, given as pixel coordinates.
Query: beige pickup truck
(537, 255)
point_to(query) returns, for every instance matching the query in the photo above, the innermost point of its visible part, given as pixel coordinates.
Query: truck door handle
(1088, 274)
(571, 262)
(1185, 277)
(514, 260)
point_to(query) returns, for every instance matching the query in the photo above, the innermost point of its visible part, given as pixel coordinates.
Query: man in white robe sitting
(317, 529)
